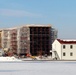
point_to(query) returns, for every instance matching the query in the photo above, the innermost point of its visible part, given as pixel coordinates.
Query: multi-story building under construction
(29, 39)
(40, 39)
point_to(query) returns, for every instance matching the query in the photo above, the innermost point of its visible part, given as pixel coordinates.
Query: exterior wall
(18, 41)
(67, 50)
(23, 40)
(40, 40)
(5, 39)
(1, 52)
(8, 39)
(13, 40)
(56, 48)
(0, 39)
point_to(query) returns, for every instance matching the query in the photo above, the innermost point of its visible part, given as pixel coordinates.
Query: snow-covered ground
(38, 68)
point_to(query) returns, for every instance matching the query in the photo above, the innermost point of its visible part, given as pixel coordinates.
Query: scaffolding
(23, 40)
(13, 40)
(0, 39)
(40, 40)
(5, 39)
(29, 39)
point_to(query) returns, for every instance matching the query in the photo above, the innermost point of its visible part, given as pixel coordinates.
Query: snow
(38, 68)
(9, 59)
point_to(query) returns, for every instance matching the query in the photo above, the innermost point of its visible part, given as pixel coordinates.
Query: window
(63, 46)
(64, 54)
(71, 46)
(71, 54)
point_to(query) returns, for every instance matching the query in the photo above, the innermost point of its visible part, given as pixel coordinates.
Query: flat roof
(28, 25)
(39, 25)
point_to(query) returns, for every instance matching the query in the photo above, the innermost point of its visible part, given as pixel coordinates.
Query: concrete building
(29, 39)
(13, 40)
(0, 39)
(1, 52)
(5, 39)
(64, 49)
(35, 39)
(23, 40)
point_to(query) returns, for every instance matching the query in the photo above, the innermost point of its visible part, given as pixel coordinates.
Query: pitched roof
(67, 41)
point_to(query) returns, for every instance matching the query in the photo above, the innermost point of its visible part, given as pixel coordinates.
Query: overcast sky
(60, 13)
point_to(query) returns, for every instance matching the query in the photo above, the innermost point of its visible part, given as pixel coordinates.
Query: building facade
(40, 40)
(0, 39)
(64, 49)
(1, 52)
(23, 40)
(29, 39)
(5, 39)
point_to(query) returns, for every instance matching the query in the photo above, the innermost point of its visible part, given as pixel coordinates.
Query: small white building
(64, 49)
